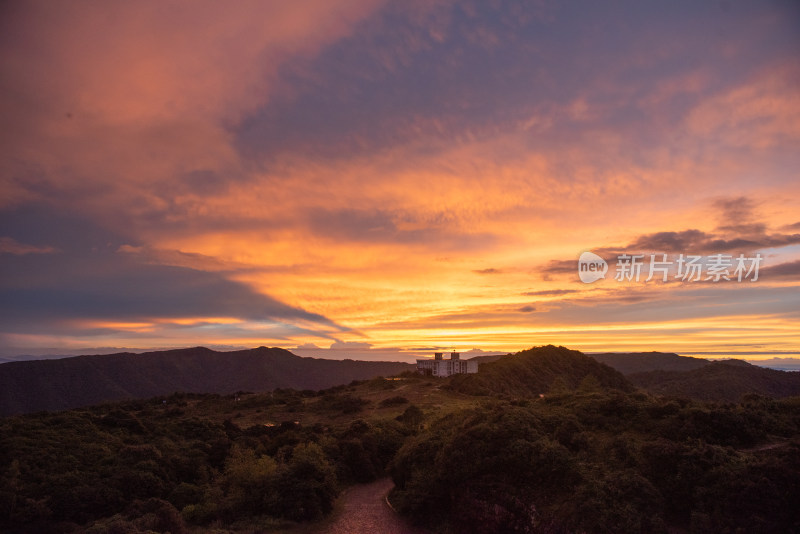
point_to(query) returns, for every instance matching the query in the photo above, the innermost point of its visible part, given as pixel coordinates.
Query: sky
(371, 179)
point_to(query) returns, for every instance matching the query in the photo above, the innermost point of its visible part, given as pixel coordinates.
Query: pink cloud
(762, 113)
(113, 96)
(11, 246)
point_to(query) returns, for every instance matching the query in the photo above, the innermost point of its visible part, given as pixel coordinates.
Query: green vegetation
(394, 401)
(537, 371)
(725, 381)
(696, 378)
(605, 462)
(143, 466)
(478, 453)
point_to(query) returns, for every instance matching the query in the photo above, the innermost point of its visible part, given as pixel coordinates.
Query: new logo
(591, 267)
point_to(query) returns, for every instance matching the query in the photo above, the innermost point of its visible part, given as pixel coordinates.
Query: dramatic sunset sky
(378, 177)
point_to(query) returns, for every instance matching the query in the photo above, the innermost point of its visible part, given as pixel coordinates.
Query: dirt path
(365, 511)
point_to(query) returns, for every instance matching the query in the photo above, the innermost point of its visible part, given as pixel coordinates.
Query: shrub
(393, 401)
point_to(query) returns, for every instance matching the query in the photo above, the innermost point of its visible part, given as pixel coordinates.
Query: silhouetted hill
(725, 381)
(640, 362)
(80, 381)
(538, 370)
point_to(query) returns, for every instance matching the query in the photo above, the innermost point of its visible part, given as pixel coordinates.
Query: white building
(438, 366)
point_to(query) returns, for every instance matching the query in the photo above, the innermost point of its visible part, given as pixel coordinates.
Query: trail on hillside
(365, 511)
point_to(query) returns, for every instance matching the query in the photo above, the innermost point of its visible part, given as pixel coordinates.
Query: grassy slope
(269, 408)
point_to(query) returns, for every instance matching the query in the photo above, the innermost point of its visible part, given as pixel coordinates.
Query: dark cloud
(490, 270)
(744, 228)
(203, 182)
(350, 345)
(549, 292)
(91, 279)
(669, 241)
(739, 230)
(744, 236)
(782, 270)
(737, 216)
(560, 267)
(409, 75)
(195, 183)
(621, 296)
(688, 242)
(42, 226)
(698, 242)
(527, 309)
(733, 210)
(111, 286)
(741, 244)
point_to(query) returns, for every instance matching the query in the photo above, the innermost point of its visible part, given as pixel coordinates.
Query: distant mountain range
(66, 383)
(683, 376)
(726, 380)
(638, 362)
(545, 369)
(84, 380)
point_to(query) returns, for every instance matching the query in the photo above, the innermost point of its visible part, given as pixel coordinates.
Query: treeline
(605, 461)
(723, 381)
(143, 466)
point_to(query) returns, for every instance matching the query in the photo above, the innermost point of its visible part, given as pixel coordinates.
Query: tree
(308, 487)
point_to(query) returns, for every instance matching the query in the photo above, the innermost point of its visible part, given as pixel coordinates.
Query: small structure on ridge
(438, 366)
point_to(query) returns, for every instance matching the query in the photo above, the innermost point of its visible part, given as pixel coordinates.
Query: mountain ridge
(725, 381)
(669, 374)
(637, 362)
(84, 380)
(59, 384)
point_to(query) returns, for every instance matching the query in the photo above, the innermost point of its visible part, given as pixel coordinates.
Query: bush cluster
(605, 462)
(142, 467)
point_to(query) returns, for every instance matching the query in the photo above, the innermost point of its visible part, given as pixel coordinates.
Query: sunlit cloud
(377, 175)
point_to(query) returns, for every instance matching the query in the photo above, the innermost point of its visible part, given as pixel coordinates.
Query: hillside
(725, 381)
(538, 370)
(84, 380)
(640, 362)
(591, 460)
